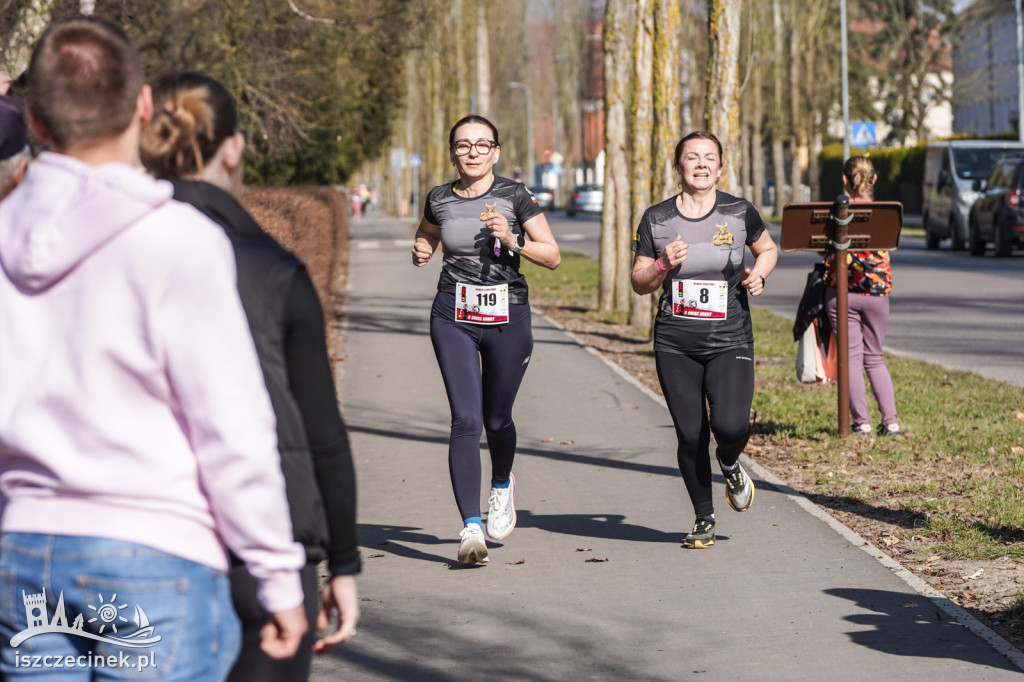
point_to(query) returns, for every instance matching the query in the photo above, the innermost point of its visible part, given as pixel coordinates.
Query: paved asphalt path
(593, 584)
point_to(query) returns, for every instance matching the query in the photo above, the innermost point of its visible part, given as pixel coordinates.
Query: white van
(953, 175)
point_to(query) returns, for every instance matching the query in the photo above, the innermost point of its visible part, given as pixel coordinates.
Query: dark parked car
(998, 215)
(585, 199)
(544, 196)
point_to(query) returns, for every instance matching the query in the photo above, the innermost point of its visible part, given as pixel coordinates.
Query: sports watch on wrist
(517, 245)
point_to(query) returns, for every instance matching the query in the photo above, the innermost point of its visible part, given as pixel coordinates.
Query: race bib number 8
(701, 299)
(480, 304)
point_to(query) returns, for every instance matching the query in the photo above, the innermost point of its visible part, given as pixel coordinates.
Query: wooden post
(840, 243)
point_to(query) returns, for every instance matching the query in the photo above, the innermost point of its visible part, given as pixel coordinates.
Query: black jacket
(812, 304)
(286, 322)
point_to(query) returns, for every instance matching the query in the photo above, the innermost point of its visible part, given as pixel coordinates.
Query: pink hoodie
(132, 405)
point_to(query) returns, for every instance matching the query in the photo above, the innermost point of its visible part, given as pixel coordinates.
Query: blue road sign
(862, 134)
(415, 160)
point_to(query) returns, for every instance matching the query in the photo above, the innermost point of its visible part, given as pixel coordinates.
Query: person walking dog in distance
(137, 438)
(480, 321)
(692, 247)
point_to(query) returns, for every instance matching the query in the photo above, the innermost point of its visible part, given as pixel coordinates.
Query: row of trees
(319, 83)
(327, 87)
(771, 91)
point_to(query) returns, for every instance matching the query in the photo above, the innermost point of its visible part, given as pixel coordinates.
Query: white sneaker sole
(473, 553)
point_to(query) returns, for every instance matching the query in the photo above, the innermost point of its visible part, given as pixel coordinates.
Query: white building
(985, 95)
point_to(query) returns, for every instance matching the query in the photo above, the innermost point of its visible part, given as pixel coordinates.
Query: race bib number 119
(481, 305)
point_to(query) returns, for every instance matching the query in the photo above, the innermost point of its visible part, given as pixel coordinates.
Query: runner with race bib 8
(692, 247)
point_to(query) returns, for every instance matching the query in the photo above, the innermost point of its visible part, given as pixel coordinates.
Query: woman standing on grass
(692, 247)
(193, 140)
(480, 321)
(869, 284)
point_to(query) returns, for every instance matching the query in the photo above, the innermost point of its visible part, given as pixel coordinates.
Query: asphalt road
(947, 308)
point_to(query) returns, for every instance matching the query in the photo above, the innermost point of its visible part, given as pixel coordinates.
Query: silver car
(585, 199)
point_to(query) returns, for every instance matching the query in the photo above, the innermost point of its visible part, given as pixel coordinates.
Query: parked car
(585, 199)
(544, 196)
(953, 173)
(998, 215)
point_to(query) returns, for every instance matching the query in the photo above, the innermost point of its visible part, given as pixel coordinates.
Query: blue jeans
(111, 589)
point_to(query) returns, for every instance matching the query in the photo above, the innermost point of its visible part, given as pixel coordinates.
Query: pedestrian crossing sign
(862, 134)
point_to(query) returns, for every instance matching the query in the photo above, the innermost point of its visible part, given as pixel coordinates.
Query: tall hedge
(900, 173)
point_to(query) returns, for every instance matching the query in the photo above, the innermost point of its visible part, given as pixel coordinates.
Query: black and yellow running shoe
(703, 534)
(739, 489)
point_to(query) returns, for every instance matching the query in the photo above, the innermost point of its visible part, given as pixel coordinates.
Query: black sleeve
(312, 383)
(643, 239)
(428, 212)
(524, 204)
(754, 224)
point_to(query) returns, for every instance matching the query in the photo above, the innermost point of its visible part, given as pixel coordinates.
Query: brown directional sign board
(875, 226)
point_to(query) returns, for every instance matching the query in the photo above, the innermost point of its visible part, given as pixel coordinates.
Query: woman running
(692, 247)
(480, 321)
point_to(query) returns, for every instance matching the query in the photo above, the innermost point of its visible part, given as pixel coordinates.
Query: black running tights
(722, 384)
(482, 367)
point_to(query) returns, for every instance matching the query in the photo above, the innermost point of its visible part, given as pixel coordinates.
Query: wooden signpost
(840, 226)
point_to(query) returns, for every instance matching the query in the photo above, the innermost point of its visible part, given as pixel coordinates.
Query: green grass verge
(956, 477)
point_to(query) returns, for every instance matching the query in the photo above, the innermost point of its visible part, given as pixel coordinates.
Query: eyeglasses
(462, 147)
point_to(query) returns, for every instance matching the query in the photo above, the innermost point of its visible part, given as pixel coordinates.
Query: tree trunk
(666, 97)
(796, 116)
(642, 136)
(756, 140)
(723, 82)
(483, 63)
(778, 115)
(612, 295)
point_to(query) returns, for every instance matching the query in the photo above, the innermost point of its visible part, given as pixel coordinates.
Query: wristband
(657, 261)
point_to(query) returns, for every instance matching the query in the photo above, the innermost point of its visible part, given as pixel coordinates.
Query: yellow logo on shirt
(723, 236)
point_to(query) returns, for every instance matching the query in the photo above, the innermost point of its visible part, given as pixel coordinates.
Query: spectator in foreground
(193, 141)
(136, 434)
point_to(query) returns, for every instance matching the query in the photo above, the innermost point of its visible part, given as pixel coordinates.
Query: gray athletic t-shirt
(468, 245)
(717, 246)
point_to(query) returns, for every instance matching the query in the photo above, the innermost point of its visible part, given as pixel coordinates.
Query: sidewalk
(594, 584)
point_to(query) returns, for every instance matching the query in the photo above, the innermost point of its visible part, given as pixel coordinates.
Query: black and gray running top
(468, 244)
(717, 245)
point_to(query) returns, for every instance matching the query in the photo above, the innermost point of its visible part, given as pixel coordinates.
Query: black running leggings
(482, 367)
(723, 383)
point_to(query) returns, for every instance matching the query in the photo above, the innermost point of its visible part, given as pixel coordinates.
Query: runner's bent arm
(428, 235)
(541, 248)
(649, 273)
(765, 257)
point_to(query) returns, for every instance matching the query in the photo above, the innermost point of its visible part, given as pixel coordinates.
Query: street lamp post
(529, 129)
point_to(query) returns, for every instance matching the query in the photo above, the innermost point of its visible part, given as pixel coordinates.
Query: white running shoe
(473, 549)
(501, 515)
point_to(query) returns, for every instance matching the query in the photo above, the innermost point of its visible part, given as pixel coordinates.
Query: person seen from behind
(869, 283)
(193, 141)
(692, 247)
(480, 323)
(137, 438)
